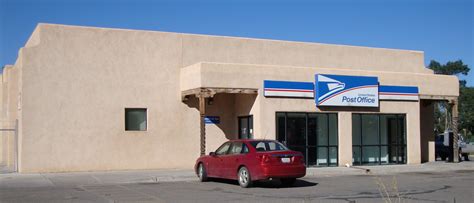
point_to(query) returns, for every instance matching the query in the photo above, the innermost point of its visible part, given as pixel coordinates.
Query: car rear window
(263, 146)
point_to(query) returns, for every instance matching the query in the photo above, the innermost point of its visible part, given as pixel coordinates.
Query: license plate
(285, 160)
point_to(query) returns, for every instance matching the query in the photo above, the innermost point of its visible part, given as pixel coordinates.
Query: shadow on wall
(427, 133)
(228, 107)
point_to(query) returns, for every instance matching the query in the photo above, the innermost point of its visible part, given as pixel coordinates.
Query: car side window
(245, 149)
(261, 147)
(223, 149)
(236, 148)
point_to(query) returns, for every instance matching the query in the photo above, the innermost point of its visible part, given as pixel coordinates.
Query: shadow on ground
(267, 184)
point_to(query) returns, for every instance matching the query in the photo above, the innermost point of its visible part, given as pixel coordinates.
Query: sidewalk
(439, 166)
(15, 180)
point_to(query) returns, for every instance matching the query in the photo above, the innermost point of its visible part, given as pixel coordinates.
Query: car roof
(249, 140)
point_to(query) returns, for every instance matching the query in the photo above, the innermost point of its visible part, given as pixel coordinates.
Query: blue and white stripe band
(273, 88)
(406, 93)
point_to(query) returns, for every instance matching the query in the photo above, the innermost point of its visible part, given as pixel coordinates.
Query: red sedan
(252, 160)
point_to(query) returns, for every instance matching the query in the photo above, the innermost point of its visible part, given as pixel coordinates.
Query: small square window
(135, 119)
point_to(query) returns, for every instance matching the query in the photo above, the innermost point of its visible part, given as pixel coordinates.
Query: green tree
(466, 98)
(450, 68)
(466, 110)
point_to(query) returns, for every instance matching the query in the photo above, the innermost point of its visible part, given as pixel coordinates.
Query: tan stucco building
(89, 98)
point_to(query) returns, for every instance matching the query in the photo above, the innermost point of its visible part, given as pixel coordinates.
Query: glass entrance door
(313, 134)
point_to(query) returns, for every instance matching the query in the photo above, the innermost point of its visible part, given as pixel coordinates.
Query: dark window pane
(311, 156)
(281, 127)
(356, 155)
(356, 124)
(393, 131)
(296, 129)
(333, 156)
(384, 158)
(402, 155)
(322, 129)
(387, 131)
(402, 131)
(370, 155)
(312, 129)
(135, 119)
(322, 156)
(370, 129)
(332, 129)
(393, 154)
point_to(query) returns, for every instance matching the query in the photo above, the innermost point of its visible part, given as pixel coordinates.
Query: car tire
(202, 173)
(244, 178)
(288, 181)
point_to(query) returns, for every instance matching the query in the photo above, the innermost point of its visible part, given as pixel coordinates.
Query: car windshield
(263, 146)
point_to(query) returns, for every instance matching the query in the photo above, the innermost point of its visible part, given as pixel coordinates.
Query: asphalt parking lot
(425, 185)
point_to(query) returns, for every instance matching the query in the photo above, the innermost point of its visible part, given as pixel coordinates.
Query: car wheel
(244, 178)
(443, 157)
(202, 173)
(288, 181)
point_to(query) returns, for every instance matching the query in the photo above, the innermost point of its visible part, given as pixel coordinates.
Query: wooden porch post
(202, 112)
(454, 128)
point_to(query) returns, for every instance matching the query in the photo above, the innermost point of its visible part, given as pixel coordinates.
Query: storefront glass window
(378, 139)
(313, 134)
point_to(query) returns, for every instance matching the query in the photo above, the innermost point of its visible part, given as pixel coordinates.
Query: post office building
(84, 98)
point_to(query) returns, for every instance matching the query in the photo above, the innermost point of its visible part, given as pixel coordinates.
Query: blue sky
(443, 29)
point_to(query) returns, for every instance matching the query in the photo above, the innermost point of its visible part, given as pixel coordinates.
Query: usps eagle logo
(333, 86)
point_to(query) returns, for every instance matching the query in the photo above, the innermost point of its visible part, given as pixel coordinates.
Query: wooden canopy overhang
(202, 94)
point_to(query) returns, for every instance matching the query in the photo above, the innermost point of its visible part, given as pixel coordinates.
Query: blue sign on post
(212, 120)
(343, 90)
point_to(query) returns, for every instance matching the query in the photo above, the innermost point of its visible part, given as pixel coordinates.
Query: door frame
(249, 123)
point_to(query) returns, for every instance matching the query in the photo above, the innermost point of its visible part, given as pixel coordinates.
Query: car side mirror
(212, 154)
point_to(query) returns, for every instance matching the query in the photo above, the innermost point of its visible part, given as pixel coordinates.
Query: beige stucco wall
(252, 76)
(199, 48)
(9, 114)
(76, 81)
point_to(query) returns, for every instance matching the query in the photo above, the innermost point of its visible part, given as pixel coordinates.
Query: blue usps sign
(344, 90)
(212, 120)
